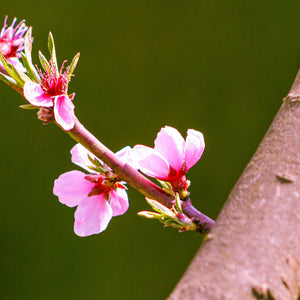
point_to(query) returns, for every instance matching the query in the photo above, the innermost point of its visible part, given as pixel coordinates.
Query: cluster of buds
(170, 217)
(100, 194)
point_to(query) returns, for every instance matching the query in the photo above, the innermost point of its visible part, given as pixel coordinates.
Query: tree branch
(253, 251)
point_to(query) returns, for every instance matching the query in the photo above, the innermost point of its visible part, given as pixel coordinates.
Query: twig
(134, 178)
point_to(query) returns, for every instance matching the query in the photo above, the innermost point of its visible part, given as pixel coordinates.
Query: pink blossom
(98, 196)
(171, 157)
(12, 43)
(51, 93)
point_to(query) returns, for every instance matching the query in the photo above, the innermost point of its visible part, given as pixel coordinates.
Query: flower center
(178, 179)
(102, 185)
(54, 83)
(179, 183)
(7, 48)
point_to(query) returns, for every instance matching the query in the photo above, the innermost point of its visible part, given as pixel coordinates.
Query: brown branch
(136, 179)
(253, 251)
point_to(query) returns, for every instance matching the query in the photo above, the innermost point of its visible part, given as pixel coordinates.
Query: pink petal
(17, 42)
(80, 157)
(64, 112)
(127, 156)
(71, 188)
(151, 162)
(92, 215)
(194, 147)
(170, 144)
(119, 202)
(36, 96)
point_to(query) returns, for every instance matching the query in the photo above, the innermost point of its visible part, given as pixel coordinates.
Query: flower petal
(80, 157)
(36, 96)
(170, 144)
(194, 147)
(92, 215)
(127, 156)
(119, 202)
(151, 162)
(72, 187)
(64, 112)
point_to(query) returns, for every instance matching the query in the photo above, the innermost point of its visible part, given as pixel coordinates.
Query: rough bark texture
(253, 251)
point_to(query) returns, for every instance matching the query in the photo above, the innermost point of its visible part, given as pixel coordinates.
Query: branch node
(291, 98)
(285, 177)
(294, 92)
(263, 292)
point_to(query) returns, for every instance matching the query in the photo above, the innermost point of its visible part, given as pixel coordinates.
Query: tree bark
(253, 251)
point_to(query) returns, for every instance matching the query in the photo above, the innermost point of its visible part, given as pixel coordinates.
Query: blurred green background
(221, 67)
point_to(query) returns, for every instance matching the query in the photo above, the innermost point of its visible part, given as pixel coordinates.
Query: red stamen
(52, 83)
(103, 185)
(178, 179)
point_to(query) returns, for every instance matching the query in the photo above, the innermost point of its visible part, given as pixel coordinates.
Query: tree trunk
(253, 251)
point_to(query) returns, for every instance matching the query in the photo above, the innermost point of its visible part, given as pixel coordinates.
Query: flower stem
(145, 186)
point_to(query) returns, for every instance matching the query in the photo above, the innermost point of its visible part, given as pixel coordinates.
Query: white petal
(80, 157)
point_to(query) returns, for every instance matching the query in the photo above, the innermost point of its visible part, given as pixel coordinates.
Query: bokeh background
(221, 67)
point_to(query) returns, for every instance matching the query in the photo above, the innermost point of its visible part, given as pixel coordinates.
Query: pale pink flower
(98, 196)
(12, 43)
(51, 93)
(171, 157)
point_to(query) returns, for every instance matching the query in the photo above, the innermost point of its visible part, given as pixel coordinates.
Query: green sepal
(149, 214)
(31, 70)
(27, 60)
(97, 165)
(28, 44)
(7, 79)
(18, 76)
(51, 47)
(169, 217)
(178, 203)
(28, 106)
(44, 62)
(73, 65)
(165, 220)
(170, 223)
(159, 207)
(98, 170)
(166, 186)
(6, 65)
(22, 76)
